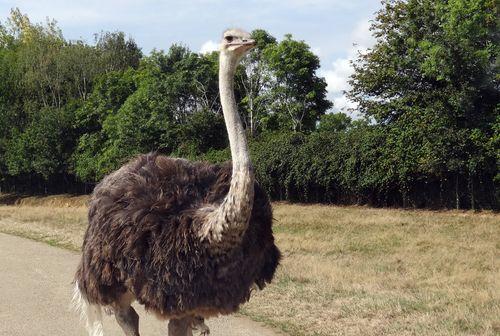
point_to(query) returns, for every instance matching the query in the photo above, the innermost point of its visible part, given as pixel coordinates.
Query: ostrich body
(188, 240)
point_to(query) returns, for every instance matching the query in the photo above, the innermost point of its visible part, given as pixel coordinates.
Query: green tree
(430, 79)
(163, 106)
(116, 52)
(334, 122)
(108, 95)
(255, 82)
(297, 93)
(40, 150)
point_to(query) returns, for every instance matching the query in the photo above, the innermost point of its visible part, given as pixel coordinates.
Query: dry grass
(62, 200)
(353, 270)
(59, 226)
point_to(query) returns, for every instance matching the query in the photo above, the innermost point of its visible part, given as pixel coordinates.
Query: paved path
(35, 290)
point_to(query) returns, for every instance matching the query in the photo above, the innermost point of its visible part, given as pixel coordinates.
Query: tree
(108, 95)
(334, 122)
(204, 130)
(117, 53)
(81, 65)
(298, 94)
(256, 81)
(40, 151)
(430, 79)
(37, 49)
(72, 112)
(161, 107)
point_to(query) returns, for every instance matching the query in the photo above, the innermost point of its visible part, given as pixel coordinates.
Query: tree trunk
(441, 192)
(471, 191)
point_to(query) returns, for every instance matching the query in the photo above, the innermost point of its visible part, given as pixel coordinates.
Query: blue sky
(330, 27)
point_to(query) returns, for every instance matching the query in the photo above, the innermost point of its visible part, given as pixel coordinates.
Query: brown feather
(142, 239)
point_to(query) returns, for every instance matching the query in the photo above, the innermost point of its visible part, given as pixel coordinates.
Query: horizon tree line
(71, 112)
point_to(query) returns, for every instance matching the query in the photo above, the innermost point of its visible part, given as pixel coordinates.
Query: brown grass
(352, 270)
(62, 200)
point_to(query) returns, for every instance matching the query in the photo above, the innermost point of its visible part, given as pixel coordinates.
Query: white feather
(90, 314)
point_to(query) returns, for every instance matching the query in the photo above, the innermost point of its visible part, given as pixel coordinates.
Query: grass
(350, 270)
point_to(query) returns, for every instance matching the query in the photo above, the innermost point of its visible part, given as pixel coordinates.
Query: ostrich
(188, 240)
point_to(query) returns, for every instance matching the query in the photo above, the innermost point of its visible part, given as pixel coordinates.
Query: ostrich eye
(229, 38)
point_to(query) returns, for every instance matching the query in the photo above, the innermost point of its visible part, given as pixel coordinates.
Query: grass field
(348, 270)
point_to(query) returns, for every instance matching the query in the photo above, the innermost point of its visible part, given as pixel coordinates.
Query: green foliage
(298, 95)
(110, 92)
(279, 87)
(72, 112)
(38, 149)
(44, 82)
(163, 106)
(334, 122)
(255, 81)
(203, 131)
(116, 53)
(431, 83)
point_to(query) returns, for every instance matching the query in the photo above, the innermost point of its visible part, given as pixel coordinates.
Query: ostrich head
(236, 43)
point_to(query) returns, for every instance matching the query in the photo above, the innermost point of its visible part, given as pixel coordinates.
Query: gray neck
(239, 200)
(226, 223)
(236, 133)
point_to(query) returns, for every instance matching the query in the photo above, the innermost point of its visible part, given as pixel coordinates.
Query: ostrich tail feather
(90, 314)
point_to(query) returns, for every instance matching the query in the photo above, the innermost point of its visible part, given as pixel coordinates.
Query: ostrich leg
(126, 316)
(198, 324)
(128, 320)
(180, 327)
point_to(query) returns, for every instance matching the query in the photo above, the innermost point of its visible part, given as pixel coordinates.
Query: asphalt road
(35, 294)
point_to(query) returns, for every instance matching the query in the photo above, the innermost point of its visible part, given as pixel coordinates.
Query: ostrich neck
(227, 223)
(238, 203)
(236, 133)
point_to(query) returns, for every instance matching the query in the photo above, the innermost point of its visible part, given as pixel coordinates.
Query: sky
(335, 29)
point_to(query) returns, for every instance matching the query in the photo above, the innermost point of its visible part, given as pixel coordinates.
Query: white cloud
(317, 51)
(337, 76)
(208, 47)
(343, 104)
(312, 3)
(362, 36)
(92, 12)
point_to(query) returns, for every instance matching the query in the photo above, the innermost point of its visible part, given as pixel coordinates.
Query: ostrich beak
(244, 45)
(249, 42)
